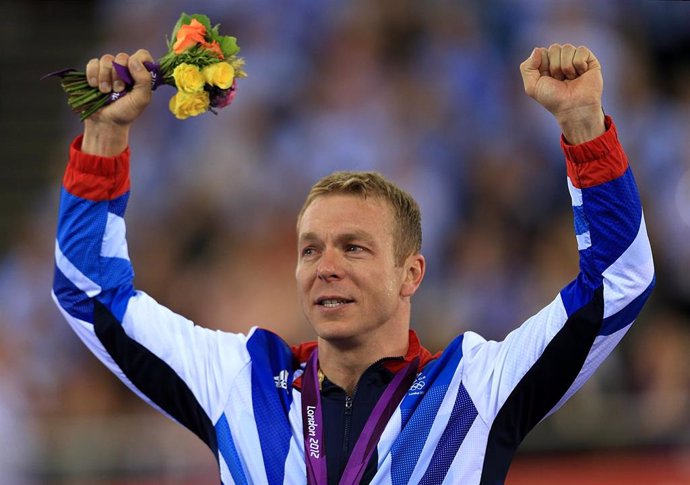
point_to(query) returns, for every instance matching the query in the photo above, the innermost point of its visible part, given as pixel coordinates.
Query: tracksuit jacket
(469, 407)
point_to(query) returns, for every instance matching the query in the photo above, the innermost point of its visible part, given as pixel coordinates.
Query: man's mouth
(333, 302)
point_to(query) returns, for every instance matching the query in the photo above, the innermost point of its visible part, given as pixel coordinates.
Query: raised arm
(172, 364)
(518, 382)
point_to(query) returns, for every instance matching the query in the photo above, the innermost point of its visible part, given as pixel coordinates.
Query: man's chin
(336, 333)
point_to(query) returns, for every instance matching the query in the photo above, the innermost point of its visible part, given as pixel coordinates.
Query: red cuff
(596, 161)
(94, 177)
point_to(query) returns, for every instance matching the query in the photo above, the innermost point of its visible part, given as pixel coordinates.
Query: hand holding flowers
(202, 64)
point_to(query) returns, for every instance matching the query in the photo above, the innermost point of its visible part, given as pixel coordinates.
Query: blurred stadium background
(429, 93)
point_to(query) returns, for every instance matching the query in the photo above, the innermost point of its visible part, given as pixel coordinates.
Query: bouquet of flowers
(202, 64)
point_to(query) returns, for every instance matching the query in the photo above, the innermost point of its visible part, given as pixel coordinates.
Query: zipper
(348, 424)
(349, 400)
(348, 405)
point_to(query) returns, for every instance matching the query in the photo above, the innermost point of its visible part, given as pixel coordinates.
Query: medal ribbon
(312, 419)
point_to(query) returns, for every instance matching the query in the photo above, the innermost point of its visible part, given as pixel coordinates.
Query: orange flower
(215, 48)
(189, 35)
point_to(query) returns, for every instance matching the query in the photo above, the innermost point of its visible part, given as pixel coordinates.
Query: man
(366, 403)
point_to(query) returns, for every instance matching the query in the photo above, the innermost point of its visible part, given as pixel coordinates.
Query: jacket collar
(302, 352)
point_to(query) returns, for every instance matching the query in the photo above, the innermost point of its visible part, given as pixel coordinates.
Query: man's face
(349, 285)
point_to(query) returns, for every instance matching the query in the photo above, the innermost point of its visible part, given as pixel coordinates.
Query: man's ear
(415, 266)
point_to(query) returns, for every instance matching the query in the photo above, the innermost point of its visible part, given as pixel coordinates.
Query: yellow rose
(188, 78)
(183, 105)
(220, 74)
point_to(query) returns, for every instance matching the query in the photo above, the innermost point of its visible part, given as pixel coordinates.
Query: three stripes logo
(281, 379)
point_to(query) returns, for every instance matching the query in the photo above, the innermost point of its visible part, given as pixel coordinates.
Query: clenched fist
(567, 81)
(106, 132)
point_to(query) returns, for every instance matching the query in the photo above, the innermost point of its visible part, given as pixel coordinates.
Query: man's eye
(353, 248)
(307, 251)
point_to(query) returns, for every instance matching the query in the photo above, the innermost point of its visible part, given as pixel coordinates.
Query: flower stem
(85, 98)
(93, 108)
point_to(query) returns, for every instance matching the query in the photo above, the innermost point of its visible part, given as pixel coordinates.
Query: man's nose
(329, 267)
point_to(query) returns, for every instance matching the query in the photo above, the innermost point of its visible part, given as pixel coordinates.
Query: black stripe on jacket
(153, 377)
(541, 387)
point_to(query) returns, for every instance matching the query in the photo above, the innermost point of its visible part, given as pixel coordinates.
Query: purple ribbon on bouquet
(124, 75)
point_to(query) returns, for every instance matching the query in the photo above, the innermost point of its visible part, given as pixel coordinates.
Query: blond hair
(407, 217)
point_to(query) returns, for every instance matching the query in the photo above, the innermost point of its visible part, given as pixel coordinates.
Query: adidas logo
(281, 379)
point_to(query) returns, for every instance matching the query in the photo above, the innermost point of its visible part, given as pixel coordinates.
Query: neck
(345, 364)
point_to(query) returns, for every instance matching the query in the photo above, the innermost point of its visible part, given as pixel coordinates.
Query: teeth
(333, 303)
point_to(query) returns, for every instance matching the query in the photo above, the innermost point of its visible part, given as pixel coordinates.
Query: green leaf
(228, 44)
